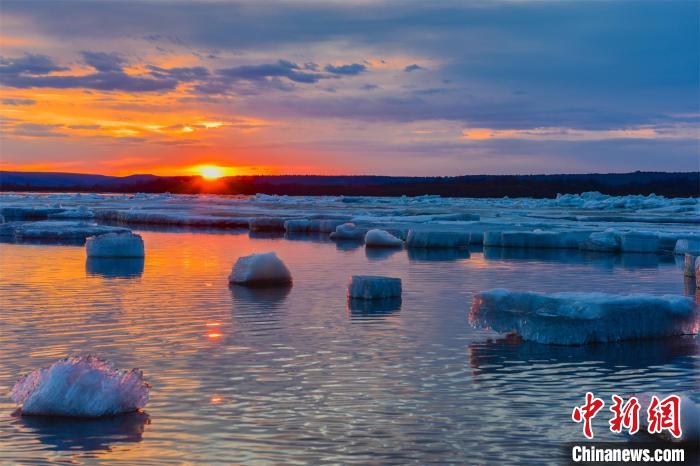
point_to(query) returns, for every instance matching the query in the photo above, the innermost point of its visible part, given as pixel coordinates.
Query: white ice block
(115, 245)
(84, 386)
(260, 270)
(382, 239)
(374, 287)
(579, 318)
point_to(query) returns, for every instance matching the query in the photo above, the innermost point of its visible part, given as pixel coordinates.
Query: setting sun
(211, 172)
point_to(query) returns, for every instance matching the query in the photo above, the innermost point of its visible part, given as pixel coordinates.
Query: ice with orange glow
(84, 386)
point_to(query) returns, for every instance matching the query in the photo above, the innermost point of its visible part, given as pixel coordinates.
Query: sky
(349, 87)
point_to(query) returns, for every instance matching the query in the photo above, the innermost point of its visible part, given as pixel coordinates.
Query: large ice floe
(689, 414)
(260, 270)
(438, 239)
(377, 238)
(84, 386)
(580, 318)
(374, 287)
(123, 244)
(590, 221)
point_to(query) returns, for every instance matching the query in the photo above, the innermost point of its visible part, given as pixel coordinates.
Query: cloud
(34, 71)
(33, 130)
(413, 67)
(29, 64)
(193, 73)
(351, 69)
(266, 71)
(18, 102)
(104, 62)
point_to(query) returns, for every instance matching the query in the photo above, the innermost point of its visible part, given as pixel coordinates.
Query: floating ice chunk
(260, 270)
(374, 287)
(159, 218)
(579, 318)
(689, 419)
(348, 231)
(29, 213)
(604, 241)
(312, 226)
(689, 264)
(437, 239)
(684, 246)
(115, 245)
(382, 239)
(635, 241)
(60, 230)
(81, 212)
(697, 271)
(84, 386)
(266, 224)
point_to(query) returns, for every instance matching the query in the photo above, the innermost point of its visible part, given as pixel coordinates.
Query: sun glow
(211, 172)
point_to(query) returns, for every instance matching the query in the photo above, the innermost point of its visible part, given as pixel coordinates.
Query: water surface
(299, 375)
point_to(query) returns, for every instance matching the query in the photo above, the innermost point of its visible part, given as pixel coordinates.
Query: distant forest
(667, 184)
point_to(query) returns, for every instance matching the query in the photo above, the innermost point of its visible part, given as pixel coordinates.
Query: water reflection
(260, 297)
(265, 234)
(83, 434)
(348, 245)
(575, 256)
(429, 254)
(368, 308)
(378, 254)
(121, 267)
(498, 355)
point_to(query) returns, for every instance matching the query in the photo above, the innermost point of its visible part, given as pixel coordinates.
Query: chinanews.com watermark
(653, 429)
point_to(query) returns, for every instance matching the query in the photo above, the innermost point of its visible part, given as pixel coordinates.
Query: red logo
(626, 415)
(665, 415)
(587, 412)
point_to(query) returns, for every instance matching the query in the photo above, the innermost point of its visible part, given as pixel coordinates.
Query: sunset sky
(356, 87)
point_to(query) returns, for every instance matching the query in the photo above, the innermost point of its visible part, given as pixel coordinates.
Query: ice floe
(312, 226)
(382, 239)
(689, 415)
(437, 239)
(580, 318)
(686, 245)
(125, 244)
(636, 241)
(260, 270)
(602, 241)
(374, 287)
(57, 230)
(84, 386)
(348, 231)
(689, 264)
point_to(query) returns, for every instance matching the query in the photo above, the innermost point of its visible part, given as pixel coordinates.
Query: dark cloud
(265, 71)
(34, 130)
(104, 62)
(29, 64)
(413, 67)
(351, 69)
(18, 101)
(34, 71)
(193, 73)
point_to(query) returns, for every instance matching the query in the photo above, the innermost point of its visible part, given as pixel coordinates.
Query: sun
(211, 172)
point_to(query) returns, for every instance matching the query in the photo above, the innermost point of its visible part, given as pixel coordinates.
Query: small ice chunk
(348, 231)
(57, 230)
(437, 239)
(260, 270)
(603, 241)
(689, 419)
(29, 213)
(580, 318)
(684, 246)
(374, 287)
(382, 239)
(84, 386)
(689, 264)
(635, 241)
(115, 245)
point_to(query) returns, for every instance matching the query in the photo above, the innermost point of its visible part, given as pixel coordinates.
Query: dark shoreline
(683, 184)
